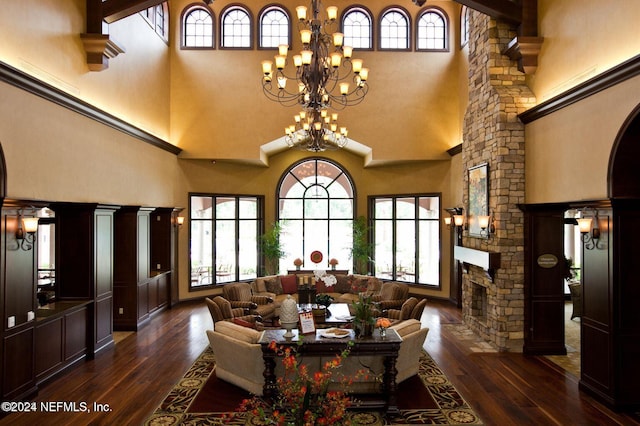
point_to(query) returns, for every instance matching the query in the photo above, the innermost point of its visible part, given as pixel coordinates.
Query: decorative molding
(505, 10)
(99, 49)
(525, 50)
(616, 75)
(455, 150)
(23, 81)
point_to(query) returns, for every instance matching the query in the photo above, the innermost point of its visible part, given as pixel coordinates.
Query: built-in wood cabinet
(143, 264)
(85, 262)
(62, 337)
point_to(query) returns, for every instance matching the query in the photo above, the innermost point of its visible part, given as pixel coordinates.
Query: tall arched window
(394, 29)
(357, 28)
(197, 28)
(236, 28)
(275, 28)
(316, 207)
(432, 30)
(464, 26)
(158, 17)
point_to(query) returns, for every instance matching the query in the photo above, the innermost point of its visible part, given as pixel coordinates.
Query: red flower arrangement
(303, 398)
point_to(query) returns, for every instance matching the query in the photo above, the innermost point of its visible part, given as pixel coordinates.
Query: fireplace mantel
(487, 260)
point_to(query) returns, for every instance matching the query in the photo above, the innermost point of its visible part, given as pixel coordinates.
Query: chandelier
(316, 131)
(326, 77)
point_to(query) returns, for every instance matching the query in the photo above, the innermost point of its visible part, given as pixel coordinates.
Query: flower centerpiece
(382, 324)
(333, 262)
(298, 263)
(303, 397)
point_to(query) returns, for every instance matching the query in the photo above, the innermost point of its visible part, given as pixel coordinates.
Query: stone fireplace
(493, 304)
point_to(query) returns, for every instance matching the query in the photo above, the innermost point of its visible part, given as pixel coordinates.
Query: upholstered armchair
(240, 296)
(410, 309)
(221, 310)
(391, 296)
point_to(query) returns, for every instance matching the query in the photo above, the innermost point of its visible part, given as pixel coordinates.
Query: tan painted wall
(567, 153)
(219, 111)
(42, 38)
(54, 154)
(583, 38)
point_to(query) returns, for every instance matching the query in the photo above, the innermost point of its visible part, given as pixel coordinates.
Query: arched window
(394, 29)
(357, 28)
(236, 28)
(432, 30)
(158, 17)
(275, 27)
(197, 28)
(464, 26)
(316, 207)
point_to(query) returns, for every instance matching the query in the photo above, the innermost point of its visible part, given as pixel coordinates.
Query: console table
(314, 345)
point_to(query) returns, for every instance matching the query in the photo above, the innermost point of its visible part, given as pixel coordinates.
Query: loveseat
(239, 356)
(346, 289)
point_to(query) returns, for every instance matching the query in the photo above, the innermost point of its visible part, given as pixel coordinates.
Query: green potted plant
(272, 249)
(361, 250)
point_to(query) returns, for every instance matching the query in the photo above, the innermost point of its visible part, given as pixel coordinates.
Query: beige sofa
(239, 356)
(346, 290)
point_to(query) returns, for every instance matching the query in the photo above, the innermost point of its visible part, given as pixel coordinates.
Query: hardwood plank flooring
(136, 374)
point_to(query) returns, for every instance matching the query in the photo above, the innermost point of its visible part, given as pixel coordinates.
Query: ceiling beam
(113, 10)
(505, 10)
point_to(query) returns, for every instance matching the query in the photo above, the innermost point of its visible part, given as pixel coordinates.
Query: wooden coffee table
(314, 345)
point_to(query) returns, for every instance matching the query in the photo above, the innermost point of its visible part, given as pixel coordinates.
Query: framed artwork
(478, 197)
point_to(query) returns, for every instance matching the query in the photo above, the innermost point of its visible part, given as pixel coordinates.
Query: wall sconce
(455, 216)
(26, 232)
(590, 235)
(447, 221)
(180, 220)
(487, 225)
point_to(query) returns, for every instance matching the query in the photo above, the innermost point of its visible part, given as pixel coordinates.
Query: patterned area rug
(176, 409)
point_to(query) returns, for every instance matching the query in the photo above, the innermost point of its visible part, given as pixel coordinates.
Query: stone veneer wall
(493, 134)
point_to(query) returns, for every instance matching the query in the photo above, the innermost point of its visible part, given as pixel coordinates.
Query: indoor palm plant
(361, 250)
(271, 248)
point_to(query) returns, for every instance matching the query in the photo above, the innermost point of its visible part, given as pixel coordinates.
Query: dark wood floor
(137, 373)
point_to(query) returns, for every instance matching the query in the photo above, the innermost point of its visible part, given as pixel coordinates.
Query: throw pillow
(259, 286)
(289, 284)
(243, 323)
(321, 287)
(273, 285)
(343, 284)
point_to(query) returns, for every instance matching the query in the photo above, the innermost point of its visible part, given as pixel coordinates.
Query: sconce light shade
(483, 221)
(584, 224)
(590, 235)
(180, 220)
(26, 232)
(30, 224)
(447, 220)
(458, 220)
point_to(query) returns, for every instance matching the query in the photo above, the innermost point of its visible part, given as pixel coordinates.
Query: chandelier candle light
(324, 81)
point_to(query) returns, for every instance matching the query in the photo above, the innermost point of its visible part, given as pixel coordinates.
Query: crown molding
(23, 81)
